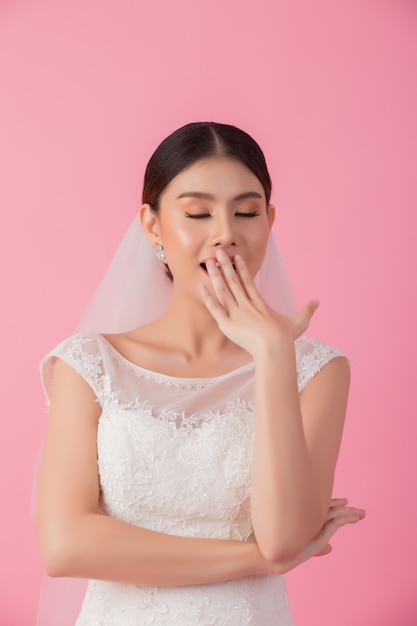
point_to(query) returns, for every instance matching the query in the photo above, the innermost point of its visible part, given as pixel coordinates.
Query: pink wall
(88, 88)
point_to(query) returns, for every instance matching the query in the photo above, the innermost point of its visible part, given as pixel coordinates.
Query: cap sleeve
(82, 353)
(312, 355)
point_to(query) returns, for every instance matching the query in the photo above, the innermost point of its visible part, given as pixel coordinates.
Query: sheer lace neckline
(181, 379)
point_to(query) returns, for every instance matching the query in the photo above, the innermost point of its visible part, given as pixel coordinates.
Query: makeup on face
(216, 204)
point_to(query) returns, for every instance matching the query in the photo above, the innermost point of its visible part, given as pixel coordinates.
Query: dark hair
(196, 141)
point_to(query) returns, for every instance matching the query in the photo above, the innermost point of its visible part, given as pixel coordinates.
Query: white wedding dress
(174, 455)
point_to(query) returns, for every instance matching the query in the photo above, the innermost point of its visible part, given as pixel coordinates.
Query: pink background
(88, 89)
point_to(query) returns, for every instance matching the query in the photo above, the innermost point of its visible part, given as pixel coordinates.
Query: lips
(204, 266)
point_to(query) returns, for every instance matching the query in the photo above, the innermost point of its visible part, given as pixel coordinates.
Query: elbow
(280, 553)
(56, 555)
(283, 545)
(55, 561)
(282, 540)
(54, 568)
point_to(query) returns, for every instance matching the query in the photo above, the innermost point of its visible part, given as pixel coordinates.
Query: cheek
(180, 238)
(258, 250)
(186, 237)
(257, 237)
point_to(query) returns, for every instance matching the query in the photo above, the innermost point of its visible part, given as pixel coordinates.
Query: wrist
(257, 564)
(260, 566)
(275, 347)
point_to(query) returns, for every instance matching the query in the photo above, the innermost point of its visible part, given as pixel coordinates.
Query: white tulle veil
(133, 292)
(135, 289)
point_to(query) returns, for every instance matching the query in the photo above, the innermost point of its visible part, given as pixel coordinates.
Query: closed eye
(197, 216)
(251, 214)
(200, 216)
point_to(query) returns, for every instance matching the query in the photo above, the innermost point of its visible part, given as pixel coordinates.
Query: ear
(271, 215)
(150, 224)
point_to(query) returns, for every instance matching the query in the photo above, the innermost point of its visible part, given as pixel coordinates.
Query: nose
(224, 233)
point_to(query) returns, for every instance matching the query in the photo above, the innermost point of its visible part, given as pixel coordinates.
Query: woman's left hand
(242, 315)
(338, 516)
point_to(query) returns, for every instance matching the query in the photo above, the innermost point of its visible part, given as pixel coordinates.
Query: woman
(206, 505)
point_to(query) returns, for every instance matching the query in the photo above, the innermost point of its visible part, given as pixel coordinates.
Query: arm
(296, 439)
(77, 541)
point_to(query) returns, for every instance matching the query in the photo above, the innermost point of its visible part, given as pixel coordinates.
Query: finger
(302, 319)
(220, 289)
(341, 511)
(331, 527)
(246, 278)
(212, 304)
(326, 550)
(338, 502)
(231, 276)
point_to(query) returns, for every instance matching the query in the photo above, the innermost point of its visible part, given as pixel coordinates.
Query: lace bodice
(174, 455)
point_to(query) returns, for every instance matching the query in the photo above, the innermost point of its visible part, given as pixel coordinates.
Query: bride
(193, 430)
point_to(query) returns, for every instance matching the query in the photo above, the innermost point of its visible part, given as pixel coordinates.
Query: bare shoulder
(332, 378)
(337, 369)
(319, 364)
(71, 393)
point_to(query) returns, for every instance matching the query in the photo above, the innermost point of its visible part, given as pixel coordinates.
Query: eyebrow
(208, 196)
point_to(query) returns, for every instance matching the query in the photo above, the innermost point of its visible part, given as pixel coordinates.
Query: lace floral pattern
(175, 455)
(234, 603)
(312, 355)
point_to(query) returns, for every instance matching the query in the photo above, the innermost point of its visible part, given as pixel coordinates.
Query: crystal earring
(160, 254)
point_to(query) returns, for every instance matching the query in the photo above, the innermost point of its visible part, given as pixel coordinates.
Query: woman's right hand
(339, 515)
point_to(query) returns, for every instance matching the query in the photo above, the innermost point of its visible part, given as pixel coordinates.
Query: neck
(189, 324)
(187, 342)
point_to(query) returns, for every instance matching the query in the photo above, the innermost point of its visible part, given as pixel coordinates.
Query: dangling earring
(160, 254)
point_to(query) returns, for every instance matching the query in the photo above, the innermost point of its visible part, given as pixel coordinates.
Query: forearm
(102, 547)
(286, 509)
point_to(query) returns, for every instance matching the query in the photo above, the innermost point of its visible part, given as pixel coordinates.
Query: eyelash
(200, 216)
